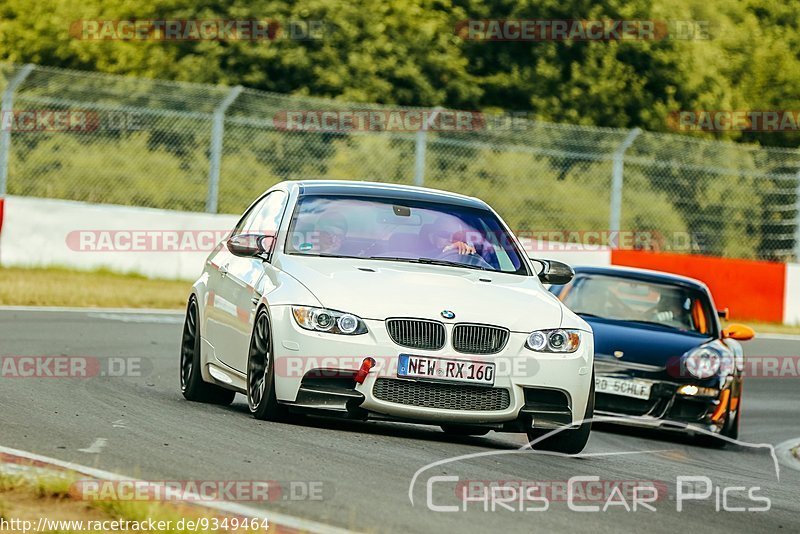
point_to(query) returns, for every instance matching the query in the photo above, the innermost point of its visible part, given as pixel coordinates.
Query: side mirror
(738, 332)
(555, 272)
(251, 245)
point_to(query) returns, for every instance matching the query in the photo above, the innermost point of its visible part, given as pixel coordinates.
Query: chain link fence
(199, 147)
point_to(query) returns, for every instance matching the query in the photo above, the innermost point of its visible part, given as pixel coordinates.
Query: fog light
(362, 373)
(695, 391)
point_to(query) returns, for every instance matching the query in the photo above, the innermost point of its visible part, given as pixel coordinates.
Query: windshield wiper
(395, 258)
(429, 261)
(432, 261)
(587, 314)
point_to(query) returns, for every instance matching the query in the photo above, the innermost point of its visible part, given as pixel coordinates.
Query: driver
(673, 309)
(444, 237)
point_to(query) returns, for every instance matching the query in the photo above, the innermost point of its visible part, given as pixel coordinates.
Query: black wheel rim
(188, 344)
(258, 362)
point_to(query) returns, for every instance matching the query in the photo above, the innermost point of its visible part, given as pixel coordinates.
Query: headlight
(703, 362)
(559, 340)
(333, 322)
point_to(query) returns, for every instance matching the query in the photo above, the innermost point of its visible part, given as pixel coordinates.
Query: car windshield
(402, 230)
(626, 299)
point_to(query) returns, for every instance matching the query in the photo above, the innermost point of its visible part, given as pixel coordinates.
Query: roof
(645, 275)
(384, 190)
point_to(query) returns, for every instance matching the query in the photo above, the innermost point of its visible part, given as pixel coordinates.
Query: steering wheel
(467, 259)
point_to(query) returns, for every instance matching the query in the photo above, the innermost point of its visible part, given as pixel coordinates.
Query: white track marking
(138, 318)
(784, 337)
(151, 311)
(276, 518)
(96, 447)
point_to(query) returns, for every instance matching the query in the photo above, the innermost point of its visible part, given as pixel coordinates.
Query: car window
(265, 216)
(371, 228)
(627, 299)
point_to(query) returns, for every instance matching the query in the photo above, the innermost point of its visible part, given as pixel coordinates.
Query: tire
(261, 373)
(730, 430)
(710, 441)
(732, 425)
(465, 430)
(567, 441)
(193, 387)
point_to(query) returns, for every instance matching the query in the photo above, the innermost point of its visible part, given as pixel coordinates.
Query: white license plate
(410, 366)
(636, 389)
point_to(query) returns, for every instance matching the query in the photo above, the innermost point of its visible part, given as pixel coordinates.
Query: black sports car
(661, 358)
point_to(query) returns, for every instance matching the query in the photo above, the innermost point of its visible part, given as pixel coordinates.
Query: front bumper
(534, 381)
(670, 407)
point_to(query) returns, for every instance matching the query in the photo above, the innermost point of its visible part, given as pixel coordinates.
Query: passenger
(331, 229)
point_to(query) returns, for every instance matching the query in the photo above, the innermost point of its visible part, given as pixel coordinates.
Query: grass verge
(101, 288)
(27, 499)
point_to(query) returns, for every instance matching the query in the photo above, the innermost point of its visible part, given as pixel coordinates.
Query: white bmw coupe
(377, 301)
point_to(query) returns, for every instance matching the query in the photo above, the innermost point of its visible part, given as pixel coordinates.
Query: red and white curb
(21, 462)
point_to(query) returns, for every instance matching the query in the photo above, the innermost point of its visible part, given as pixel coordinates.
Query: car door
(242, 282)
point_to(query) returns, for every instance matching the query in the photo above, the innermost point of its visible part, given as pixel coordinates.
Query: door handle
(223, 270)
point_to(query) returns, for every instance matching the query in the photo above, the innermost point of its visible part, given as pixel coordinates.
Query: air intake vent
(442, 396)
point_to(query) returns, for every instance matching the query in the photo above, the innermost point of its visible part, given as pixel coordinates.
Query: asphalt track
(139, 425)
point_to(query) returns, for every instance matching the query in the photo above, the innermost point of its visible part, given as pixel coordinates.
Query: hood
(374, 289)
(641, 343)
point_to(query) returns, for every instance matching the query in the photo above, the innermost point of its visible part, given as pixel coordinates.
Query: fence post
(420, 146)
(616, 180)
(6, 107)
(215, 154)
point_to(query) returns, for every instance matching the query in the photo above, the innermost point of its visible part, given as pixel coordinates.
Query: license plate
(624, 387)
(410, 366)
